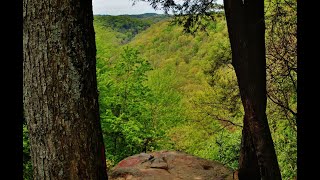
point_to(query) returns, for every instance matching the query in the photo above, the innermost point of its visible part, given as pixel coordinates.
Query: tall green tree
(246, 27)
(125, 113)
(60, 90)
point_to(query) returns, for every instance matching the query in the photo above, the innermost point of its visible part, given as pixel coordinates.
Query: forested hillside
(160, 88)
(168, 90)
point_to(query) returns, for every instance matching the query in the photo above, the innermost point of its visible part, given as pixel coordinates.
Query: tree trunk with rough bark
(60, 90)
(246, 27)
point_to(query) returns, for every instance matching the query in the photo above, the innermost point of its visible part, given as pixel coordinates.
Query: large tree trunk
(246, 27)
(60, 93)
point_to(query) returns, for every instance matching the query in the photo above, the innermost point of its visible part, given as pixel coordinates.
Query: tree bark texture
(60, 90)
(246, 27)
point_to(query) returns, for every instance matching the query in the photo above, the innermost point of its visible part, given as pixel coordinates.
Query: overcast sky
(117, 7)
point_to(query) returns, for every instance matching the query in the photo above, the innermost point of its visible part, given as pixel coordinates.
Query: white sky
(117, 7)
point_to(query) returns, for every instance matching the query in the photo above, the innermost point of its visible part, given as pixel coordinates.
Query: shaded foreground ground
(169, 165)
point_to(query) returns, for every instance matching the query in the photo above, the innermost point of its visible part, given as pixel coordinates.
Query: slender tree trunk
(60, 90)
(246, 27)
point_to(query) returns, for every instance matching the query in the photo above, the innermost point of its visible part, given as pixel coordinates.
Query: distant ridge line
(144, 14)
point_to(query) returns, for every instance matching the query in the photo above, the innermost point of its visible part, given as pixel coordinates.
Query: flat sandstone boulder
(169, 165)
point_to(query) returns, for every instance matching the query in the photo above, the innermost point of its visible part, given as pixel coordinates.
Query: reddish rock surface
(169, 165)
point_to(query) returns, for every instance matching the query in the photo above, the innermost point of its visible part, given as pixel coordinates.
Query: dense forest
(160, 88)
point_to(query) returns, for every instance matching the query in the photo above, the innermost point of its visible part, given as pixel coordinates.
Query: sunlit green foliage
(162, 89)
(201, 73)
(126, 120)
(195, 98)
(281, 46)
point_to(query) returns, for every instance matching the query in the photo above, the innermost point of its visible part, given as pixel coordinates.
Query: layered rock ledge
(169, 165)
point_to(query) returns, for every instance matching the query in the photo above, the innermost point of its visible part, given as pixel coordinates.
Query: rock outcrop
(169, 165)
